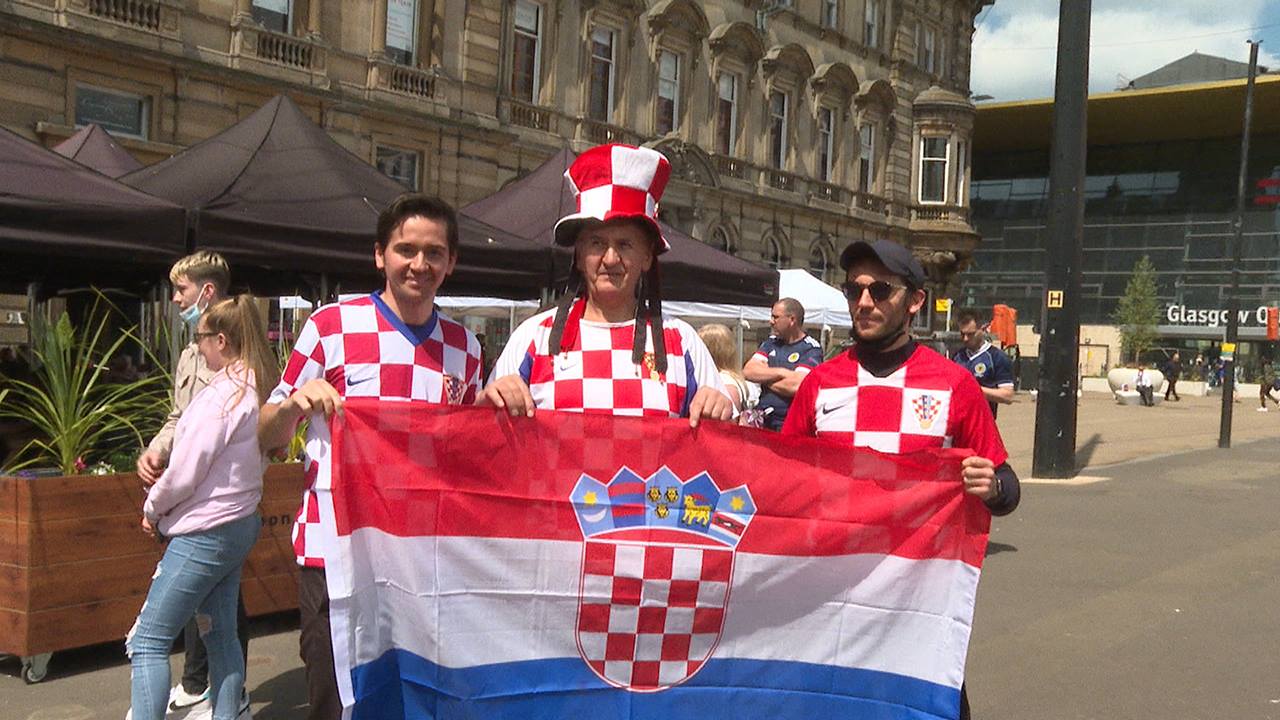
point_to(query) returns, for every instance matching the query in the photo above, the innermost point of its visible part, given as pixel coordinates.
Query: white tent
(823, 304)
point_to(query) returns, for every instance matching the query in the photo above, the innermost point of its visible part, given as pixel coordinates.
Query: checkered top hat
(612, 182)
(616, 181)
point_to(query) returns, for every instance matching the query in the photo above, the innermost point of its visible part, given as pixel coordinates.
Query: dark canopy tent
(64, 225)
(94, 148)
(285, 204)
(691, 270)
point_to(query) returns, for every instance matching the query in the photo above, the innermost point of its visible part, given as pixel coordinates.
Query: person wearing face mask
(606, 347)
(199, 282)
(889, 393)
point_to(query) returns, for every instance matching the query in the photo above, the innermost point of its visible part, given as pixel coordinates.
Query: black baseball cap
(893, 256)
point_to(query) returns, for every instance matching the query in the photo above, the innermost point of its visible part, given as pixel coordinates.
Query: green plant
(1138, 311)
(79, 418)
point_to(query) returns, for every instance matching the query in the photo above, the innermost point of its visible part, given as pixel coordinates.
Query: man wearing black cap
(890, 394)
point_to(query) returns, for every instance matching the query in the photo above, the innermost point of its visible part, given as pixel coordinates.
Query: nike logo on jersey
(357, 381)
(828, 409)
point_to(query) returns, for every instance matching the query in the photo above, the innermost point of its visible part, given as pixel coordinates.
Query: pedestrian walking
(1266, 384)
(206, 504)
(1172, 372)
(200, 281)
(988, 363)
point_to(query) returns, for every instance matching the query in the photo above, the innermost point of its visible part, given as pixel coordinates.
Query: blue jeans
(198, 575)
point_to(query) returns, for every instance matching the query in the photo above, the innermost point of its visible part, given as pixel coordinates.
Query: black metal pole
(1237, 240)
(1054, 453)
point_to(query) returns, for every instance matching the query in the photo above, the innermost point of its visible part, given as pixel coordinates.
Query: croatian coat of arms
(657, 569)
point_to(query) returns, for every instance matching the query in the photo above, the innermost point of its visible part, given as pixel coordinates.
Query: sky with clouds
(1014, 47)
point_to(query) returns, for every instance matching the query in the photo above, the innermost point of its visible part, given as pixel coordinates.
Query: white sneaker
(204, 711)
(180, 699)
(184, 706)
(1262, 409)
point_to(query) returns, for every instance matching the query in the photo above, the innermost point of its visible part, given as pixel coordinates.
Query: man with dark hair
(890, 394)
(393, 345)
(990, 366)
(782, 361)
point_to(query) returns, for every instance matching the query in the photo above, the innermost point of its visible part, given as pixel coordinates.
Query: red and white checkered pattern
(929, 402)
(594, 372)
(615, 181)
(649, 616)
(362, 353)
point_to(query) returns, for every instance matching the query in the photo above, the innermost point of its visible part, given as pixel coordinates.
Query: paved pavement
(1150, 593)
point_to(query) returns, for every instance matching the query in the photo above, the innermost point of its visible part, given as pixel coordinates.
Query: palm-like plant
(78, 416)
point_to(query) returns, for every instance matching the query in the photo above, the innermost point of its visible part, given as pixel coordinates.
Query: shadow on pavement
(1084, 453)
(994, 548)
(285, 696)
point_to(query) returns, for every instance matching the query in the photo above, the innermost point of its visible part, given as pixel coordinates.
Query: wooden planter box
(75, 567)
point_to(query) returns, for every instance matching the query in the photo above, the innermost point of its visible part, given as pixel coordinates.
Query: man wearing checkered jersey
(890, 394)
(394, 345)
(606, 347)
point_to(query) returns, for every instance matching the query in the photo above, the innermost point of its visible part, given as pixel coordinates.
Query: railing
(530, 116)
(869, 202)
(731, 167)
(829, 192)
(599, 133)
(411, 81)
(940, 213)
(780, 180)
(285, 50)
(138, 13)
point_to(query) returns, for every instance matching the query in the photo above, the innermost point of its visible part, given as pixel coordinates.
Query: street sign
(1228, 351)
(942, 305)
(1055, 298)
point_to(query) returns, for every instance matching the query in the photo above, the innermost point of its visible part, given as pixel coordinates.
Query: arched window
(773, 253)
(819, 261)
(720, 240)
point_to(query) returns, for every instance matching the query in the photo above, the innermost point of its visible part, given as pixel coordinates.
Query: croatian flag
(587, 566)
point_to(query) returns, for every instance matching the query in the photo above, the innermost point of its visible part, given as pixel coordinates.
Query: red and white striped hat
(615, 181)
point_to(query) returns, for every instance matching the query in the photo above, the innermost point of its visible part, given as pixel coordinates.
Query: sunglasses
(879, 290)
(202, 335)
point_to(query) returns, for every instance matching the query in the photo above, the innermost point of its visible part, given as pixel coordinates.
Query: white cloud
(1014, 52)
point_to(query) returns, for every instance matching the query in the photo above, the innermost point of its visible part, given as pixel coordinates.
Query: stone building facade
(794, 126)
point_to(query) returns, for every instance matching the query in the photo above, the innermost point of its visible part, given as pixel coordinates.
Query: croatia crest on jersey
(657, 569)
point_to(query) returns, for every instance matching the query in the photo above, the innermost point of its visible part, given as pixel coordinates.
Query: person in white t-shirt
(606, 347)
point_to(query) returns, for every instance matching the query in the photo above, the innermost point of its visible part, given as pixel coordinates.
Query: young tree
(1138, 312)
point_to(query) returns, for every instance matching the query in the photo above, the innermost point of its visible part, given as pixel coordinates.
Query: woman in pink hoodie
(206, 504)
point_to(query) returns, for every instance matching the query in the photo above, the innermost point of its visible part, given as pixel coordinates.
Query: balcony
(781, 180)
(829, 192)
(134, 13)
(145, 23)
(401, 79)
(595, 132)
(285, 57)
(530, 116)
(954, 214)
(731, 167)
(871, 203)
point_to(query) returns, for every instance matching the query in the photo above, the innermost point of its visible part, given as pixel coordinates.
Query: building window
(720, 240)
(119, 113)
(830, 13)
(819, 264)
(727, 113)
(273, 14)
(600, 95)
(867, 157)
(399, 164)
(778, 102)
(871, 26)
(927, 56)
(668, 92)
(961, 162)
(773, 254)
(526, 51)
(402, 30)
(826, 143)
(933, 169)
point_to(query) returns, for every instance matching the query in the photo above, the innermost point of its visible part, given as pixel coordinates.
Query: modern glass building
(1162, 167)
